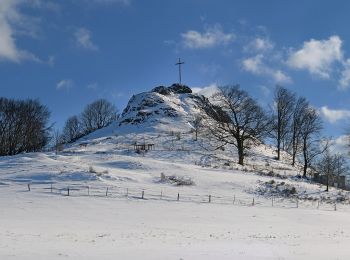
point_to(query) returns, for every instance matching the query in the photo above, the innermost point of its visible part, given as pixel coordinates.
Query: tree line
(23, 126)
(95, 115)
(233, 117)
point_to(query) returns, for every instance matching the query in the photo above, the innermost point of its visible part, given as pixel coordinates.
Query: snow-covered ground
(38, 224)
(221, 211)
(44, 226)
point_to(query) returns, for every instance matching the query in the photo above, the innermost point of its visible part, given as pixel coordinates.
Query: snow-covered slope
(257, 211)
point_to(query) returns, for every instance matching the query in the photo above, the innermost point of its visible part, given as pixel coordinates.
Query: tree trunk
(294, 147)
(305, 159)
(240, 149)
(279, 144)
(305, 169)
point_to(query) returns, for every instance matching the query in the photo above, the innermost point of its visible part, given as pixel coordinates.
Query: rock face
(175, 101)
(175, 89)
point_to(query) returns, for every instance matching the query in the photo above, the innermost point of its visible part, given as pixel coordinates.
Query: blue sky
(68, 53)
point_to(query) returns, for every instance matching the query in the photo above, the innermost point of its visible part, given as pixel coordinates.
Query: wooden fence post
(209, 198)
(143, 194)
(107, 192)
(234, 199)
(51, 187)
(178, 196)
(28, 186)
(253, 202)
(297, 203)
(68, 191)
(127, 192)
(272, 201)
(161, 194)
(88, 188)
(335, 206)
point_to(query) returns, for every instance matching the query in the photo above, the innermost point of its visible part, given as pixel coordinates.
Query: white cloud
(340, 145)
(344, 80)
(12, 24)
(265, 90)
(256, 66)
(334, 115)
(213, 36)
(317, 56)
(83, 39)
(8, 48)
(206, 91)
(259, 45)
(65, 84)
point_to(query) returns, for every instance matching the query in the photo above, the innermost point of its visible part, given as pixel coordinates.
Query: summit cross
(179, 63)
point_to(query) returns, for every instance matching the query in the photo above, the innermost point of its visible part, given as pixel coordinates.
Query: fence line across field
(113, 191)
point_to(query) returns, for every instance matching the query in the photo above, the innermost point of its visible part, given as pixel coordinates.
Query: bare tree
(72, 129)
(332, 166)
(97, 115)
(197, 123)
(310, 128)
(341, 165)
(23, 126)
(284, 102)
(327, 166)
(236, 119)
(57, 141)
(300, 108)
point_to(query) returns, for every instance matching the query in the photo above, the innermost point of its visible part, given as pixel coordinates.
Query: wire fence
(171, 195)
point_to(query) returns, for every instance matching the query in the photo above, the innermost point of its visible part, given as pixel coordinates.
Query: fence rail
(139, 193)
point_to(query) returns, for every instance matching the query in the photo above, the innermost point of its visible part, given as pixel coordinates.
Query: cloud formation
(83, 39)
(65, 84)
(8, 48)
(334, 115)
(317, 56)
(259, 44)
(206, 91)
(12, 24)
(340, 145)
(211, 37)
(344, 80)
(256, 65)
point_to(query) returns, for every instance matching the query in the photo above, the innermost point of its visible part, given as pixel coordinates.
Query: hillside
(183, 197)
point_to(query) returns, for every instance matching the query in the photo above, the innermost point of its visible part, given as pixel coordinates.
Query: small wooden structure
(143, 147)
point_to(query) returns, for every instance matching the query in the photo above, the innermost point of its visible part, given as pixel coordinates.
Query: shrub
(92, 170)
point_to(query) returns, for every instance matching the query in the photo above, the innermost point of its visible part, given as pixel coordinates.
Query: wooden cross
(179, 63)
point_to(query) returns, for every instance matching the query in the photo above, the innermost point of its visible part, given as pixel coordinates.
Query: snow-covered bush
(276, 188)
(92, 170)
(176, 180)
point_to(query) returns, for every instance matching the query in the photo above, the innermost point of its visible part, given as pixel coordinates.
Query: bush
(176, 180)
(92, 170)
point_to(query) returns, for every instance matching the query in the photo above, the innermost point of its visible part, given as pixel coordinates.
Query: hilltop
(183, 196)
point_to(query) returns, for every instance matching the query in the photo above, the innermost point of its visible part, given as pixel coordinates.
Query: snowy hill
(125, 203)
(172, 105)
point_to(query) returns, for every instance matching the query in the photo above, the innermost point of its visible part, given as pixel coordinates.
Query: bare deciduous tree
(23, 126)
(97, 115)
(72, 129)
(284, 103)
(197, 123)
(236, 119)
(300, 107)
(332, 166)
(310, 128)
